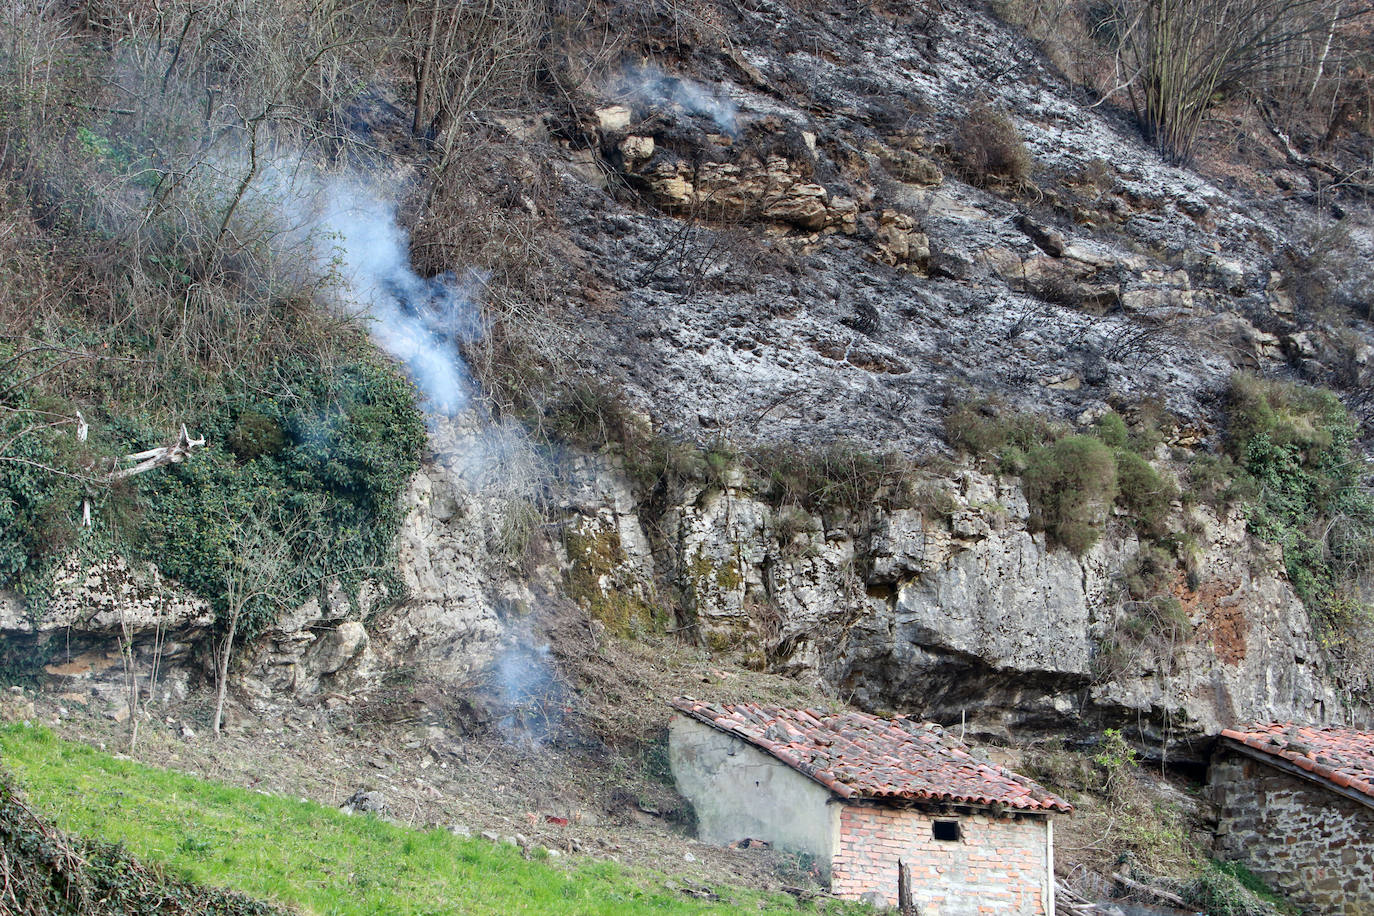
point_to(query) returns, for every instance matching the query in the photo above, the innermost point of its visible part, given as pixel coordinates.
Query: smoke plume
(652, 86)
(417, 320)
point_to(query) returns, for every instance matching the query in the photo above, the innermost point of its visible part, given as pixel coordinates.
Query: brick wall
(1311, 844)
(998, 865)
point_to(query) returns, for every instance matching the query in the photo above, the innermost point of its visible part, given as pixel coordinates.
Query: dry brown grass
(1121, 810)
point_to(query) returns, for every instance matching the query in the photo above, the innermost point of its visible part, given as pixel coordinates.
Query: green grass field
(323, 861)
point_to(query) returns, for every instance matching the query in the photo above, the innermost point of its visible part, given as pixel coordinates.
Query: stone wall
(1307, 842)
(739, 792)
(998, 864)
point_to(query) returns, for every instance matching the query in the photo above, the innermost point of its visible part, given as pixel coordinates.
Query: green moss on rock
(596, 559)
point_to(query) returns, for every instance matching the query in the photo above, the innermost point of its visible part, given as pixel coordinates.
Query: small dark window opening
(945, 830)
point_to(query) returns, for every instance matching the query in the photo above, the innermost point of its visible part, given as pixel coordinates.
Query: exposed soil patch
(1225, 617)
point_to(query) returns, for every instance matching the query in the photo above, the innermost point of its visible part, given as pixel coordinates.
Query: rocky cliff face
(958, 613)
(965, 615)
(101, 620)
(106, 621)
(819, 262)
(1019, 635)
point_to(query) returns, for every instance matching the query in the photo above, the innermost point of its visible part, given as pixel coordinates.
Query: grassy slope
(319, 859)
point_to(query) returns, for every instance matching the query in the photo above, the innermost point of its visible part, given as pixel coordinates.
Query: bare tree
(258, 578)
(468, 50)
(128, 657)
(1180, 56)
(170, 158)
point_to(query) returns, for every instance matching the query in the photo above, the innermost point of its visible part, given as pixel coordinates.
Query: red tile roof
(1343, 756)
(859, 756)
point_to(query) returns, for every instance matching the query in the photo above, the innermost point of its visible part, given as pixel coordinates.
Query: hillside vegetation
(49, 873)
(151, 280)
(162, 268)
(1008, 364)
(1290, 463)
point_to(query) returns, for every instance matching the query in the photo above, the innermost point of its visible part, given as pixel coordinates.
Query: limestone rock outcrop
(954, 609)
(963, 613)
(774, 190)
(102, 617)
(818, 267)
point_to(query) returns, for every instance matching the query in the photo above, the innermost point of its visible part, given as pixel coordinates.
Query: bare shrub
(519, 265)
(1071, 34)
(1329, 273)
(259, 570)
(709, 244)
(1309, 61)
(1138, 341)
(989, 148)
(463, 52)
(155, 147)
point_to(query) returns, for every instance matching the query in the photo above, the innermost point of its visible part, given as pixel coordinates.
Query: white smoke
(651, 85)
(529, 694)
(419, 321)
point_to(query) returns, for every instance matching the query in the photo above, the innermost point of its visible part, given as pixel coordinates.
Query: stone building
(868, 798)
(1296, 806)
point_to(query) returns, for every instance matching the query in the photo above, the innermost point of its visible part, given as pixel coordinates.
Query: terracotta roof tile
(860, 756)
(1341, 755)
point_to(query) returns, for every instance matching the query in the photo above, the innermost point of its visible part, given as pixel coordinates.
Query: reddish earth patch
(1228, 633)
(1225, 618)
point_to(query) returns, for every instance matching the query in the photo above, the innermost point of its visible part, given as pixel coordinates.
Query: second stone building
(1295, 804)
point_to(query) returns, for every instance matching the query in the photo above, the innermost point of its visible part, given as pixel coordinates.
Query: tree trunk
(426, 63)
(222, 680)
(1326, 53)
(904, 904)
(243, 184)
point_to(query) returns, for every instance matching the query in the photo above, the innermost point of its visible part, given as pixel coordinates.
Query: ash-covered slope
(785, 232)
(801, 258)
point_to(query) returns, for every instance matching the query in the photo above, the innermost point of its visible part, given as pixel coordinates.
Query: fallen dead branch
(164, 455)
(1139, 887)
(1343, 178)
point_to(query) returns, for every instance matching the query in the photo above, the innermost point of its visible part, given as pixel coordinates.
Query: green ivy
(40, 492)
(350, 438)
(311, 434)
(321, 466)
(1296, 444)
